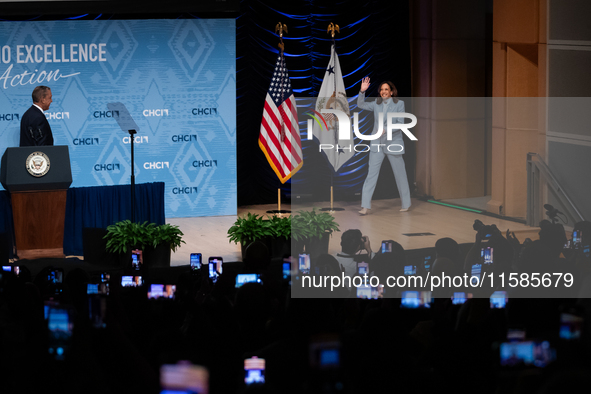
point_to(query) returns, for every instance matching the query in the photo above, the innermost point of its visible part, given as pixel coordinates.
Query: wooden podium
(37, 178)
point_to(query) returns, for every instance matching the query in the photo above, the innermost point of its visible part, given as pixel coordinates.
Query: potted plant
(280, 243)
(156, 242)
(166, 238)
(167, 235)
(248, 229)
(311, 230)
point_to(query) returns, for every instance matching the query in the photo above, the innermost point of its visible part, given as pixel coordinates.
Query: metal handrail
(536, 166)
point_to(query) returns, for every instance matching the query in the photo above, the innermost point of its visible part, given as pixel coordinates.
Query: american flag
(280, 134)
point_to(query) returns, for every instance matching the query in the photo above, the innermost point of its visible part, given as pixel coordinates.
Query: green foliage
(125, 234)
(168, 234)
(281, 226)
(249, 229)
(304, 225)
(310, 224)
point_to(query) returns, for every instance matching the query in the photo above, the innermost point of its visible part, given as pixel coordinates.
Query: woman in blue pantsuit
(387, 102)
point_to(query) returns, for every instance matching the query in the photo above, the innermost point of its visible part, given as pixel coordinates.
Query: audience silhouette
(332, 342)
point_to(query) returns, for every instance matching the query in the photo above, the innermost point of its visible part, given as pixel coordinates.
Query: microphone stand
(131, 138)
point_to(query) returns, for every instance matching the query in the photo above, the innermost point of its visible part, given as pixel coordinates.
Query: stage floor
(208, 235)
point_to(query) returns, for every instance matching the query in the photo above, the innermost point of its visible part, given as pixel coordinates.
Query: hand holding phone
(387, 246)
(195, 262)
(54, 278)
(97, 309)
(12, 268)
(498, 299)
(55, 275)
(475, 273)
(458, 298)
(215, 268)
(571, 326)
(577, 239)
(247, 278)
(304, 263)
(415, 299)
(254, 370)
(136, 259)
(325, 352)
(184, 377)
(131, 281)
(60, 325)
(362, 268)
(486, 255)
(161, 291)
(410, 270)
(526, 353)
(97, 288)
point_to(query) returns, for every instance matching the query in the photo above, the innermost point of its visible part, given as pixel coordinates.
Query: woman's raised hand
(364, 84)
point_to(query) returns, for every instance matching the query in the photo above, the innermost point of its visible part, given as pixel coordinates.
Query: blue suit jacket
(35, 129)
(377, 109)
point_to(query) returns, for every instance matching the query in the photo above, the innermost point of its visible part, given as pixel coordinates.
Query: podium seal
(37, 164)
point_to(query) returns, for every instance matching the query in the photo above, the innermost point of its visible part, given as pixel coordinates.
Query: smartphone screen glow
(195, 261)
(254, 370)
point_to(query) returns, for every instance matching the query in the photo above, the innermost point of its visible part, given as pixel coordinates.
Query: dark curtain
(98, 207)
(6, 226)
(102, 206)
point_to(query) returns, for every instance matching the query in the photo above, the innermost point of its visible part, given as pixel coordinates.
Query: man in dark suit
(35, 129)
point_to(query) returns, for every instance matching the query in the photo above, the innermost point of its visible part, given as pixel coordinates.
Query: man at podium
(35, 129)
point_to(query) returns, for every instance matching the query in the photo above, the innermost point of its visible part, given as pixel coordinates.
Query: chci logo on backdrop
(9, 117)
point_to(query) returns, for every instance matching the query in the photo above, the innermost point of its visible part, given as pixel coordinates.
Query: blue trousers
(399, 170)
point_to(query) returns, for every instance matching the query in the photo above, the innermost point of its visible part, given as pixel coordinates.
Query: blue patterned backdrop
(177, 78)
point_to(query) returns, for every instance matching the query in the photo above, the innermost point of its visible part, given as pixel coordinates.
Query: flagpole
(280, 28)
(331, 29)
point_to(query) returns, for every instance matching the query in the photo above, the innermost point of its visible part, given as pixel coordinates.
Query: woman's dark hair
(392, 88)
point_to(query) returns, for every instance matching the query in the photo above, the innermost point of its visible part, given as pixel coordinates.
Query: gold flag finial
(331, 29)
(281, 28)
